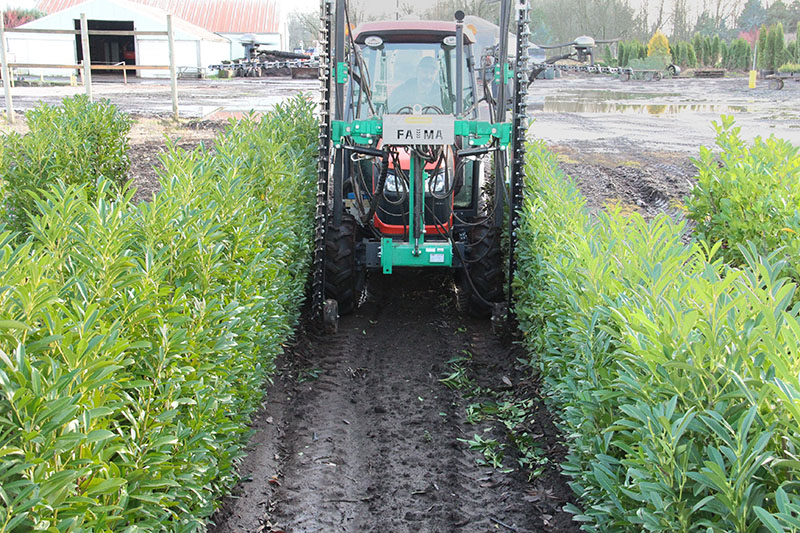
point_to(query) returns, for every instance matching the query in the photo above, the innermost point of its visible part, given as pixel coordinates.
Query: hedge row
(77, 142)
(135, 339)
(676, 376)
(749, 195)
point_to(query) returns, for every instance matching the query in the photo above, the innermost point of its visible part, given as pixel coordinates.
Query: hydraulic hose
(378, 195)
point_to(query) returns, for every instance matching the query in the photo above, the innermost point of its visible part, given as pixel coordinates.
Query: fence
(86, 65)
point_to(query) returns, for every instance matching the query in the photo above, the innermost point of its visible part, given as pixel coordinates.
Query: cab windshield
(409, 78)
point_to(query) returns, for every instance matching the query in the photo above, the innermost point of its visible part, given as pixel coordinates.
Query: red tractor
(420, 158)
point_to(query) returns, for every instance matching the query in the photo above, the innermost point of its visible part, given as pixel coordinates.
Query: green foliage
(740, 55)
(697, 43)
(135, 338)
(715, 52)
(775, 49)
(790, 67)
(78, 143)
(708, 58)
(748, 195)
(691, 56)
(627, 51)
(654, 62)
(676, 376)
(761, 61)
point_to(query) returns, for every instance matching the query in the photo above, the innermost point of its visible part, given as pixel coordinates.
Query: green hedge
(748, 193)
(676, 376)
(77, 142)
(135, 339)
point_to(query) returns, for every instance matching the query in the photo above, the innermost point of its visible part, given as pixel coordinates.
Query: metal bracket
(507, 73)
(481, 133)
(341, 72)
(361, 131)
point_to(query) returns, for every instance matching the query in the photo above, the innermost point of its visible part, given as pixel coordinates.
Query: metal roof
(220, 16)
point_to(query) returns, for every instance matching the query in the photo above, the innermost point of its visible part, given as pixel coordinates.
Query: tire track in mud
(363, 436)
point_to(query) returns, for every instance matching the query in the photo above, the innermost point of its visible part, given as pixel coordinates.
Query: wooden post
(173, 75)
(87, 60)
(6, 71)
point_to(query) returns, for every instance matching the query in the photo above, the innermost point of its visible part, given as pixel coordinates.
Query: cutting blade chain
(519, 135)
(323, 161)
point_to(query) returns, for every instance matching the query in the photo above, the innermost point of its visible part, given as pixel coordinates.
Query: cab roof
(414, 31)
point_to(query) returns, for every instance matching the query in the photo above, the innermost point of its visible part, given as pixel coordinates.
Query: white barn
(195, 47)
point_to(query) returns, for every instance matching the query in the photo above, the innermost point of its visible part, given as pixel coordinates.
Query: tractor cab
(409, 67)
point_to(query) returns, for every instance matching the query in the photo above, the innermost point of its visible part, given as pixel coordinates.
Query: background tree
(444, 9)
(16, 16)
(761, 60)
(697, 43)
(681, 29)
(303, 27)
(715, 51)
(752, 16)
(778, 12)
(691, 56)
(776, 47)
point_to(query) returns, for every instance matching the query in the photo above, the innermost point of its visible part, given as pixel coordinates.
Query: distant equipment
(583, 52)
(584, 48)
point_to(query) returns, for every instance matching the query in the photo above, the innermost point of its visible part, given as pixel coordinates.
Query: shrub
(715, 51)
(691, 56)
(658, 45)
(775, 47)
(675, 376)
(135, 339)
(748, 194)
(762, 51)
(77, 143)
(739, 55)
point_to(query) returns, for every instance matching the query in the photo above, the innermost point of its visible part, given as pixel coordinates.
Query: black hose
(378, 194)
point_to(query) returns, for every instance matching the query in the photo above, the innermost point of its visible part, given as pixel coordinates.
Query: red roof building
(219, 16)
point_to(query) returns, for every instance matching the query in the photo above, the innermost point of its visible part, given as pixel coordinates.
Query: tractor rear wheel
(482, 280)
(344, 277)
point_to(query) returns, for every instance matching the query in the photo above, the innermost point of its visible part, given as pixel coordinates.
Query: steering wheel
(436, 109)
(407, 110)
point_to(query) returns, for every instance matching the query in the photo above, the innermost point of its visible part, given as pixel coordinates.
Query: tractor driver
(423, 90)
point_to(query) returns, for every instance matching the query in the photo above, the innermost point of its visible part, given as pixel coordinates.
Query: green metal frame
(417, 252)
(479, 133)
(395, 253)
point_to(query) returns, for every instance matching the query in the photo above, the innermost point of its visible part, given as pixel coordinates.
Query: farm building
(195, 47)
(238, 20)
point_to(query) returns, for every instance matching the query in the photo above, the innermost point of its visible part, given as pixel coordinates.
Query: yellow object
(752, 79)
(72, 81)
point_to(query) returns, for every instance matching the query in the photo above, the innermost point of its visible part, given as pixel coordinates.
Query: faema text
(418, 129)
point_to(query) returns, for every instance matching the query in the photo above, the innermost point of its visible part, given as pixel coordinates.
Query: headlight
(393, 184)
(439, 183)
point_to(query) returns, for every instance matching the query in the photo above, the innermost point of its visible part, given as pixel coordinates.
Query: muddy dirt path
(358, 434)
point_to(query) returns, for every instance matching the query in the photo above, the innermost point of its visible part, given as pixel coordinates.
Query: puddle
(560, 105)
(606, 94)
(225, 114)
